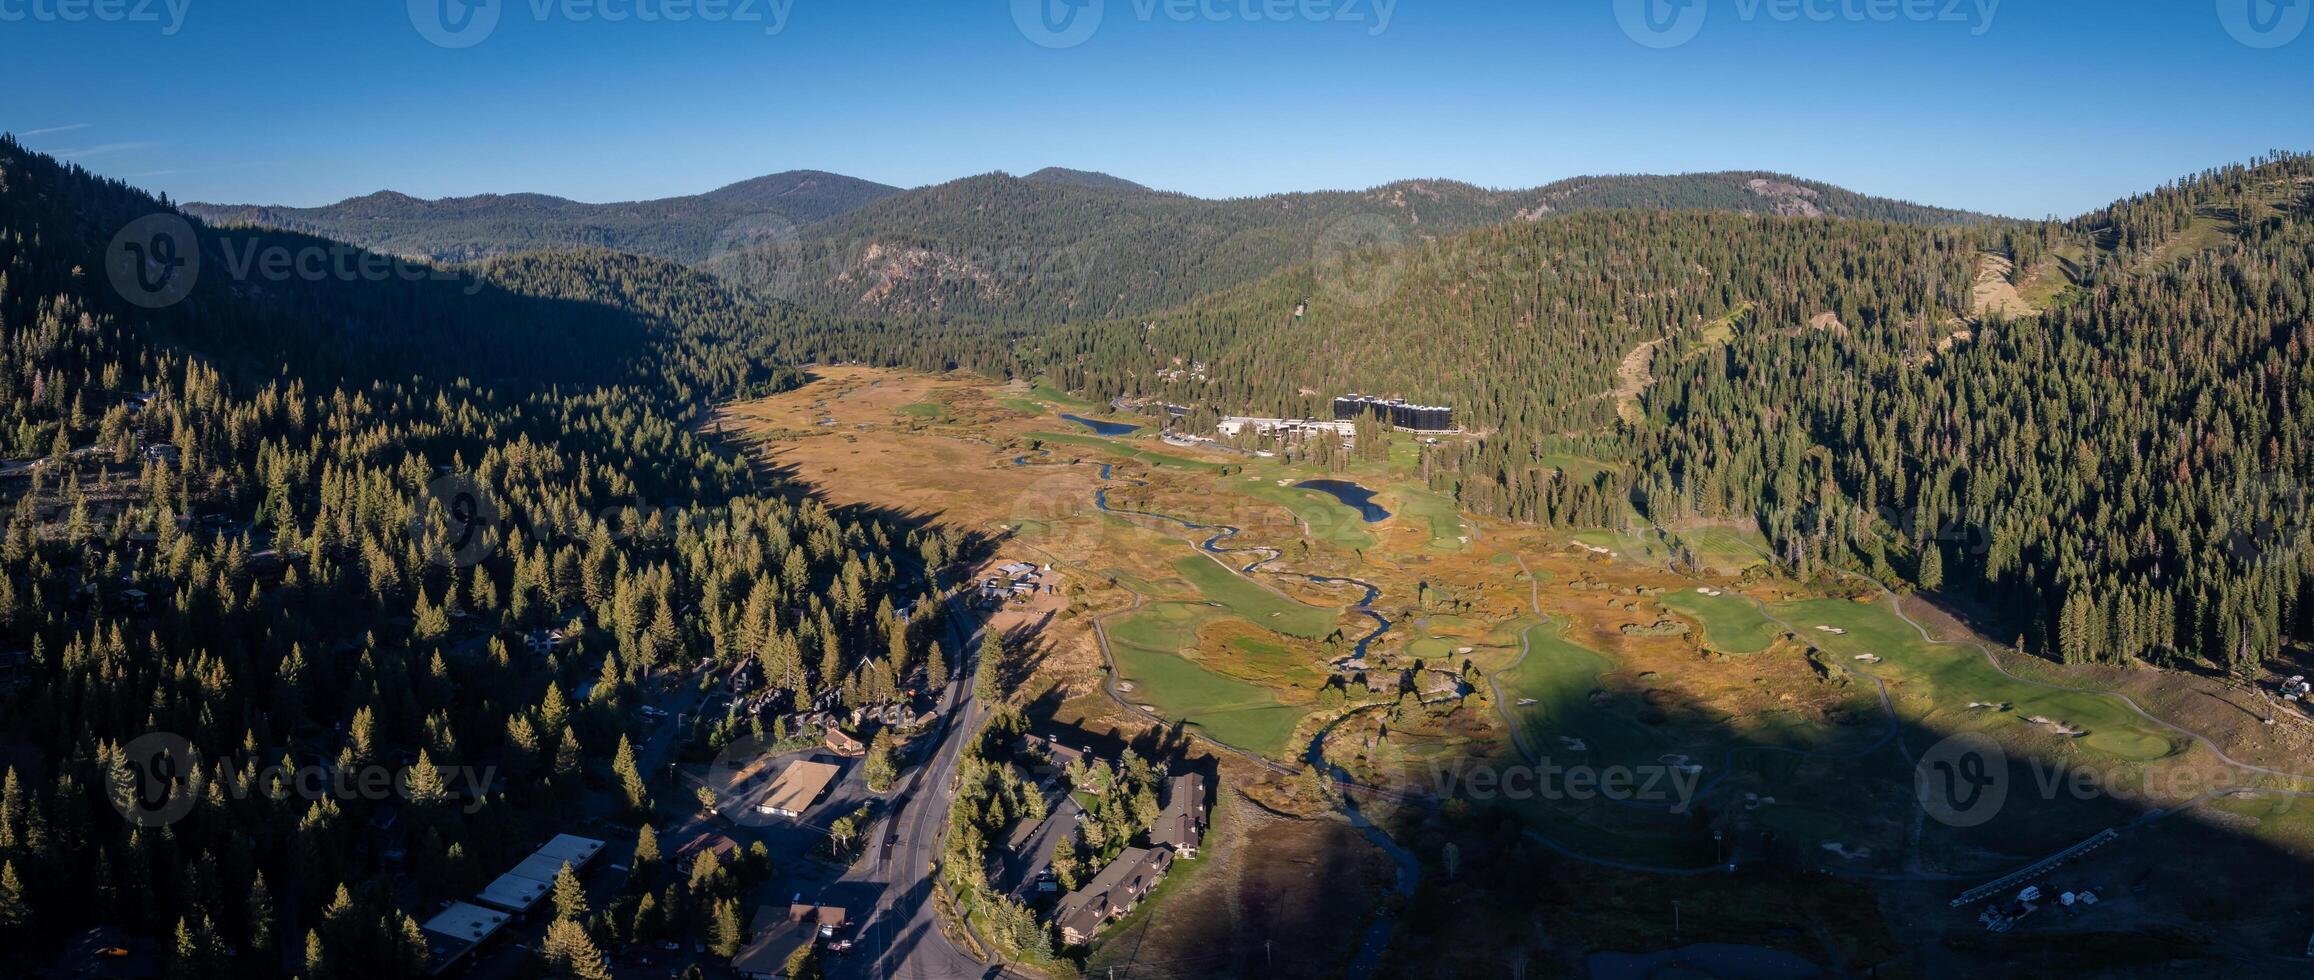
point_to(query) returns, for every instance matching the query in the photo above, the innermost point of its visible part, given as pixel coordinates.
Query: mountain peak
(1085, 178)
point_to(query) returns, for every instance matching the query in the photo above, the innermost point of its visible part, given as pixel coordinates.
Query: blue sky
(2041, 107)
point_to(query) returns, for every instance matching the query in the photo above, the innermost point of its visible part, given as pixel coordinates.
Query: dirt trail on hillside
(1994, 293)
(1632, 379)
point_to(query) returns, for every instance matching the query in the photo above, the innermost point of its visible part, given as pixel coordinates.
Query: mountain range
(1055, 245)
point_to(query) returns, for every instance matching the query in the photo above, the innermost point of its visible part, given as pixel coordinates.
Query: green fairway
(1125, 449)
(1327, 519)
(1257, 605)
(1731, 624)
(1147, 645)
(1437, 513)
(1559, 676)
(1945, 680)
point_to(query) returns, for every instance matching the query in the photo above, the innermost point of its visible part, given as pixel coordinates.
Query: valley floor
(1439, 665)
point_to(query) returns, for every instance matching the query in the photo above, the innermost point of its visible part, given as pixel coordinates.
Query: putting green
(1731, 624)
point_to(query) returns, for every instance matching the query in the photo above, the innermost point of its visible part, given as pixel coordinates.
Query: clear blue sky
(2053, 107)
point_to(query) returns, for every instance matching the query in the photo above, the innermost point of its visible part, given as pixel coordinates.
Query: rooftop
(798, 785)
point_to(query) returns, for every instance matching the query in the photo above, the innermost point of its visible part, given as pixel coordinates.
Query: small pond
(1104, 428)
(1357, 497)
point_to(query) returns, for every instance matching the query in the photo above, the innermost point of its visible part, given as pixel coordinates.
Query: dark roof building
(1181, 825)
(1114, 892)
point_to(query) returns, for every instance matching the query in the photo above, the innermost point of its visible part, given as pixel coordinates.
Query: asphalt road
(902, 937)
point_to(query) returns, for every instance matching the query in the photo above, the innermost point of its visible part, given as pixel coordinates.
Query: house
(456, 931)
(521, 889)
(1061, 755)
(1112, 893)
(542, 642)
(844, 744)
(1181, 824)
(797, 788)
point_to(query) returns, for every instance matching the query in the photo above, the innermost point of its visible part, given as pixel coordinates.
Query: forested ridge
(468, 229)
(226, 521)
(2121, 476)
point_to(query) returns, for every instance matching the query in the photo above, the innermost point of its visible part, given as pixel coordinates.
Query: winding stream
(1376, 938)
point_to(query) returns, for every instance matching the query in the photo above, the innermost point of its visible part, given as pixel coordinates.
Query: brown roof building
(1114, 892)
(1181, 825)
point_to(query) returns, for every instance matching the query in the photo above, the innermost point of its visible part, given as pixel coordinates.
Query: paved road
(901, 937)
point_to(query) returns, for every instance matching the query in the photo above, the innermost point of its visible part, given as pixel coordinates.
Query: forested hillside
(1062, 246)
(464, 229)
(2125, 473)
(226, 520)
(2121, 476)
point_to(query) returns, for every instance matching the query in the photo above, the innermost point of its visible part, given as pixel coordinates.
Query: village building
(456, 931)
(1181, 825)
(1112, 893)
(797, 788)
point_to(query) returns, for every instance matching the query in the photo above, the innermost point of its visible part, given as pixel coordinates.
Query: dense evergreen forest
(2121, 476)
(467, 229)
(226, 522)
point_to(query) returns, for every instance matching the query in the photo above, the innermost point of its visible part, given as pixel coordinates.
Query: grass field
(923, 410)
(1147, 644)
(1559, 675)
(1327, 519)
(1942, 681)
(1125, 449)
(1438, 514)
(1260, 606)
(1731, 624)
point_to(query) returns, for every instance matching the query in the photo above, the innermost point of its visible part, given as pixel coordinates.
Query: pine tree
(728, 933)
(636, 796)
(15, 912)
(570, 952)
(570, 897)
